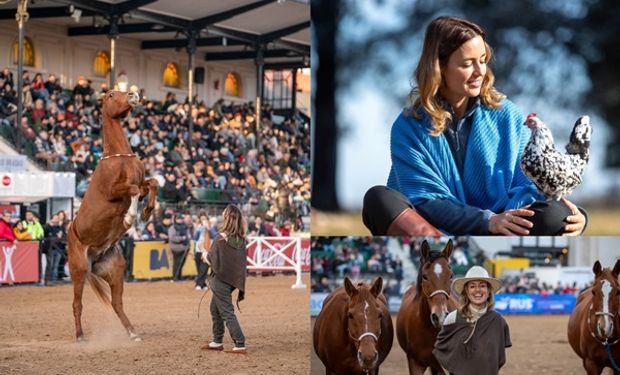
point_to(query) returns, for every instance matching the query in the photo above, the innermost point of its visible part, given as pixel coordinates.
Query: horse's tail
(99, 287)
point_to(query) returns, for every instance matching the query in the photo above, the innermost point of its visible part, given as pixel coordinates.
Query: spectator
(38, 87)
(179, 244)
(33, 226)
(203, 243)
(55, 240)
(150, 233)
(20, 232)
(163, 227)
(6, 232)
(323, 285)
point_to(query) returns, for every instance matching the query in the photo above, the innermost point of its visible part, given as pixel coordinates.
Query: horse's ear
(616, 270)
(597, 268)
(349, 287)
(377, 287)
(447, 251)
(426, 249)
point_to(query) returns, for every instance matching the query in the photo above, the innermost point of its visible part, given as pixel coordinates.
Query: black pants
(178, 258)
(202, 269)
(382, 205)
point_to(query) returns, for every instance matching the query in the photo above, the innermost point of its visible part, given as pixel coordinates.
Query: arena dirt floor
(539, 346)
(37, 331)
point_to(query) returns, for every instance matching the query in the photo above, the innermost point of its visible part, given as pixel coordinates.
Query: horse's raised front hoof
(134, 337)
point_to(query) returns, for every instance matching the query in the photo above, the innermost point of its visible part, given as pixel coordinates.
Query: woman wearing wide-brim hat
(474, 337)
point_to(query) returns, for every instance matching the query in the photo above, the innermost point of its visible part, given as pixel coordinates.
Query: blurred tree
(565, 54)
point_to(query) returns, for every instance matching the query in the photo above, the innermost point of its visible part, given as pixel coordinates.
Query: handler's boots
(410, 223)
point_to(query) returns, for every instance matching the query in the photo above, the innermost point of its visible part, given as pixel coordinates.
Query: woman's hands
(576, 221)
(511, 222)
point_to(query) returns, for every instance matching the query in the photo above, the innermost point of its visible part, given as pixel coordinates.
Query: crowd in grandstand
(363, 258)
(265, 170)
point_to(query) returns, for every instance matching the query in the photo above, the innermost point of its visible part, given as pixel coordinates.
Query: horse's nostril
(434, 319)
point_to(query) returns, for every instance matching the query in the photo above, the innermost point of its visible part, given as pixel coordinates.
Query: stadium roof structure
(275, 31)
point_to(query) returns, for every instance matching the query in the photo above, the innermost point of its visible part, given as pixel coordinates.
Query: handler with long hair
(456, 150)
(227, 258)
(473, 338)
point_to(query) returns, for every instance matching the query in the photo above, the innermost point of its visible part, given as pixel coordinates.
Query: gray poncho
(481, 354)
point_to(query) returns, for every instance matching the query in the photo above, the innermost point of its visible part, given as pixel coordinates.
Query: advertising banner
(19, 263)
(153, 260)
(504, 303)
(272, 253)
(534, 304)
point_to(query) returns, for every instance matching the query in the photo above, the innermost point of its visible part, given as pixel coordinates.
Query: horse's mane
(432, 256)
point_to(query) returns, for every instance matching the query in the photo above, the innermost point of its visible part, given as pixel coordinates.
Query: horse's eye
(424, 277)
(350, 316)
(380, 315)
(111, 94)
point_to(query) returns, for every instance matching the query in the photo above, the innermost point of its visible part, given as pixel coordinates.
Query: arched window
(102, 64)
(171, 75)
(28, 52)
(232, 86)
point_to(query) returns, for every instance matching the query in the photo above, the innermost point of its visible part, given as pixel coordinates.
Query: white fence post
(298, 283)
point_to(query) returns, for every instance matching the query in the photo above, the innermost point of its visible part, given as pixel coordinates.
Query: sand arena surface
(539, 346)
(37, 334)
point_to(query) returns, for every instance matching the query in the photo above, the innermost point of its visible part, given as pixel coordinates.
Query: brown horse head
(434, 278)
(605, 301)
(117, 104)
(364, 316)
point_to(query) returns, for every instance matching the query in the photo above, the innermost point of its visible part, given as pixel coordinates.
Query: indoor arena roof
(225, 30)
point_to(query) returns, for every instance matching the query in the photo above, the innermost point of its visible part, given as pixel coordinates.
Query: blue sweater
(425, 171)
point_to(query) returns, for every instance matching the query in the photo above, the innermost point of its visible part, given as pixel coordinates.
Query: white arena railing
(266, 254)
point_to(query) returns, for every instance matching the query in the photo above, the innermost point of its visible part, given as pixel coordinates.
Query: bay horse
(594, 325)
(353, 333)
(424, 308)
(108, 210)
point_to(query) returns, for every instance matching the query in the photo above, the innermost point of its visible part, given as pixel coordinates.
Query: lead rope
(472, 332)
(611, 359)
(203, 295)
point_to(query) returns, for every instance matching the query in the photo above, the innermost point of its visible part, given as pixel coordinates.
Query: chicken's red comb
(533, 114)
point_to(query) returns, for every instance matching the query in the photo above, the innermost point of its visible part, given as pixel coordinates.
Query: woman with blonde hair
(474, 337)
(456, 151)
(227, 258)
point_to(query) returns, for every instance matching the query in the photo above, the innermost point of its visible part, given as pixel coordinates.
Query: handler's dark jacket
(482, 354)
(228, 261)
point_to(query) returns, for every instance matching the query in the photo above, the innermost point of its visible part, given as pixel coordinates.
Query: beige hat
(476, 273)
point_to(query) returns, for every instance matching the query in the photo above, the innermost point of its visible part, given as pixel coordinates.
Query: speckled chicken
(556, 174)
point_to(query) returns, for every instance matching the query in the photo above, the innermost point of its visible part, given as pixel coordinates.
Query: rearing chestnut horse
(594, 323)
(108, 209)
(353, 333)
(424, 308)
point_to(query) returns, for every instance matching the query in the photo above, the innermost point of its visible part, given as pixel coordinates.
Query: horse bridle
(602, 313)
(436, 292)
(364, 335)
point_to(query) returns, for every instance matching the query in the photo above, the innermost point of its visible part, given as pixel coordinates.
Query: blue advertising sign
(534, 304)
(504, 303)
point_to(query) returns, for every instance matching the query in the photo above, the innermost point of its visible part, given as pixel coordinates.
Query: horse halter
(436, 292)
(118, 155)
(601, 313)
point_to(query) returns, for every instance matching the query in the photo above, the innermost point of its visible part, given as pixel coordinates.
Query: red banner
(19, 263)
(277, 253)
